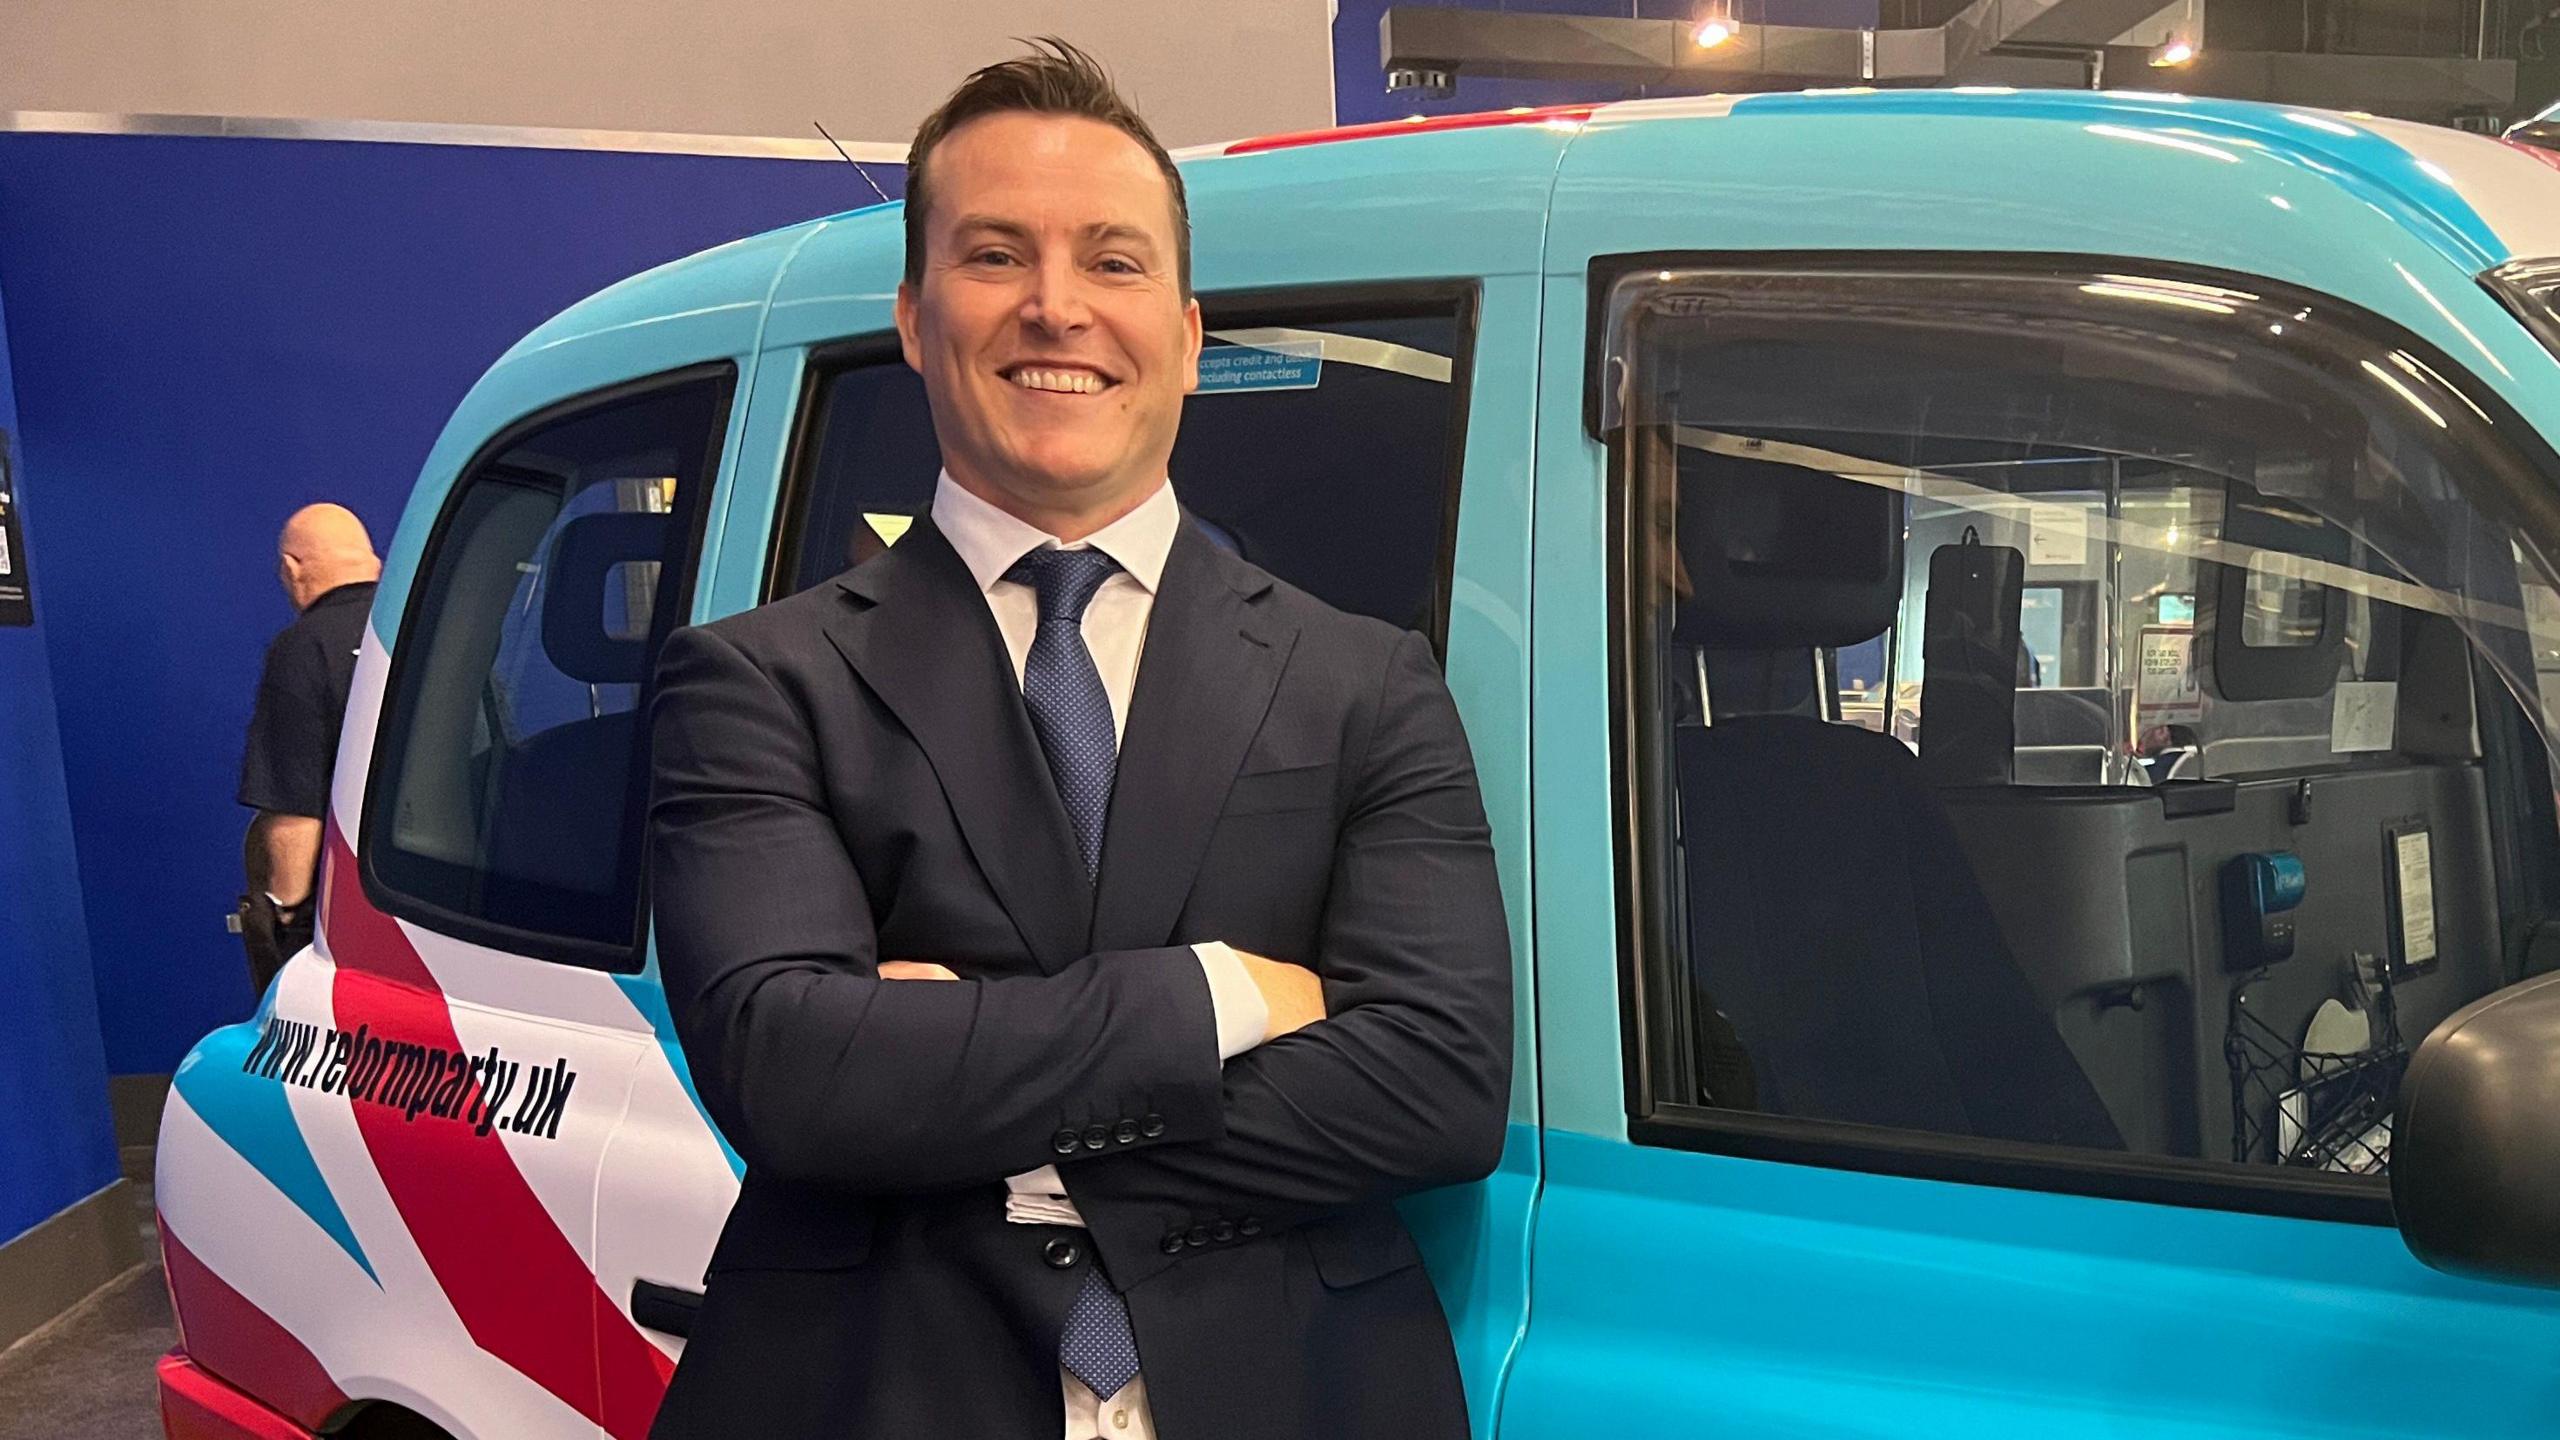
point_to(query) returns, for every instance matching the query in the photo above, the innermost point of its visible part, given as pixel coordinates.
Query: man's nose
(1055, 302)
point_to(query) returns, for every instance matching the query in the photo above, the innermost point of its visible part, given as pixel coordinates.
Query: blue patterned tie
(1072, 713)
(1069, 707)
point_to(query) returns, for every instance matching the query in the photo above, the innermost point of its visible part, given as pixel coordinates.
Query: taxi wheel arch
(382, 1420)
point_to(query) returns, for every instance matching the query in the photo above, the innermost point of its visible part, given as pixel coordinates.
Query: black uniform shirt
(302, 696)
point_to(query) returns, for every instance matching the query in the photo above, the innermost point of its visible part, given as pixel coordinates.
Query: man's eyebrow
(1116, 230)
(1110, 230)
(1010, 229)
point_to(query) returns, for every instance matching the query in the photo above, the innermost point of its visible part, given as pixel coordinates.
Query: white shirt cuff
(1039, 1197)
(1043, 1182)
(1244, 1021)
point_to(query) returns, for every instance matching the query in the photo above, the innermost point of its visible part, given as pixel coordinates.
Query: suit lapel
(1205, 680)
(916, 629)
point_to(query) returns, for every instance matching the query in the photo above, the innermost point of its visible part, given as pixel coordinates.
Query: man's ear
(1191, 359)
(906, 313)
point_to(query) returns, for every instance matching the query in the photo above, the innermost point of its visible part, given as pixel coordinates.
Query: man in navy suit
(1083, 936)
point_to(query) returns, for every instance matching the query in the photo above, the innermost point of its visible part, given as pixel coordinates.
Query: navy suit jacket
(849, 776)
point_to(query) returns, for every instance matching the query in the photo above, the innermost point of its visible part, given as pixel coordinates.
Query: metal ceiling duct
(2062, 43)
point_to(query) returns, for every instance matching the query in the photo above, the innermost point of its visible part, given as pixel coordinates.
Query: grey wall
(1200, 71)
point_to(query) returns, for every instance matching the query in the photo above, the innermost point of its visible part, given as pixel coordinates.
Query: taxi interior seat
(552, 773)
(1834, 920)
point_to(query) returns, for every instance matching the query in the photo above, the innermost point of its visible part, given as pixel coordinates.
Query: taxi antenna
(856, 164)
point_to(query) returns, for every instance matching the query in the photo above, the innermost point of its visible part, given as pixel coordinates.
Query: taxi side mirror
(2475, 1164)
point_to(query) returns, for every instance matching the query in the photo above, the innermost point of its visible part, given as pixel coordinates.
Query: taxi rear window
(511, 771)
(1323, 445)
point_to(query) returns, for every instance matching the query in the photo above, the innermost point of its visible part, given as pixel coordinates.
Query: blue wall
(56, 1141)
(209, 333)
(1360, 86)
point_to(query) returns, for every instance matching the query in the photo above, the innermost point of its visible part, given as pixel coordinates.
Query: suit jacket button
(1250, 1228)
(1126, 1132)
(1198, 1235)
(1152, 1126)
(1064, 1142)
(1171, 1244)
(1096, 1136)
(1062, 1254)
(1223, 1232)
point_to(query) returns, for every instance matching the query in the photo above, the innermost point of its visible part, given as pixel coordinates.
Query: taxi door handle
(667, 1309)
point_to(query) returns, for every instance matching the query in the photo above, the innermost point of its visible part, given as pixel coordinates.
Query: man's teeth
(1067, 382)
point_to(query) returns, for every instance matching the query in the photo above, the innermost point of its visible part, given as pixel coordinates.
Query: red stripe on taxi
(520, 1287)
(224, 1334)
(1417, 125)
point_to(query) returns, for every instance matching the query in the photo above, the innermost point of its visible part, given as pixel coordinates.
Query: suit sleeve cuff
(1243, 1020)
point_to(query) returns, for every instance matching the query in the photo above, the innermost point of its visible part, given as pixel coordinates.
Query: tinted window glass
(2050, 706)
(1324, 450)
(511, 766)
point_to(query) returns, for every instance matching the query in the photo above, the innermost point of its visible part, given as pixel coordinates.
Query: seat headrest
(577, 601)
(1782, 557)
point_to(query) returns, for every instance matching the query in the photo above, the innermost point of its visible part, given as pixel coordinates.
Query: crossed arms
(822, 1068)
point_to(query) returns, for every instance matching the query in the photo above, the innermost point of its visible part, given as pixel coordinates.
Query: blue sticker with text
(1231, 369)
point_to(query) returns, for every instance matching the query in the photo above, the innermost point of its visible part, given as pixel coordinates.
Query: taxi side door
(1708, 1260)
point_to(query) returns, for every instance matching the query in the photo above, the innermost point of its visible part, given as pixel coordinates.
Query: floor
(88, 1375)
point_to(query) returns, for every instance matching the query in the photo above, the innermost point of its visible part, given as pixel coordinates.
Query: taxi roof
(2476, 200)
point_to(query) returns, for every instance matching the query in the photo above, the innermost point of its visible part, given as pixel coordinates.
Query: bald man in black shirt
(326, 563)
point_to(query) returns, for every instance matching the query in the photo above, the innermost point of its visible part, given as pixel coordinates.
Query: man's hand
(914, 970)
(1292, 993)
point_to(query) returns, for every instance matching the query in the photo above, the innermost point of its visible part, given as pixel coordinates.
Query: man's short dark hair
(1060, 80)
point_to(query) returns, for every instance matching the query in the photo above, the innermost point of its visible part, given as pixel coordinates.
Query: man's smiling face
(1049, 323)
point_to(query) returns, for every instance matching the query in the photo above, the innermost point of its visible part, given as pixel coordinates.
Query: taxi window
(2068, 715)
(1323, 445)
(507, 782)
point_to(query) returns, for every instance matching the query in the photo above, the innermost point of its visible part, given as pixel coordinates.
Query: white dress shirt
(989, 541)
